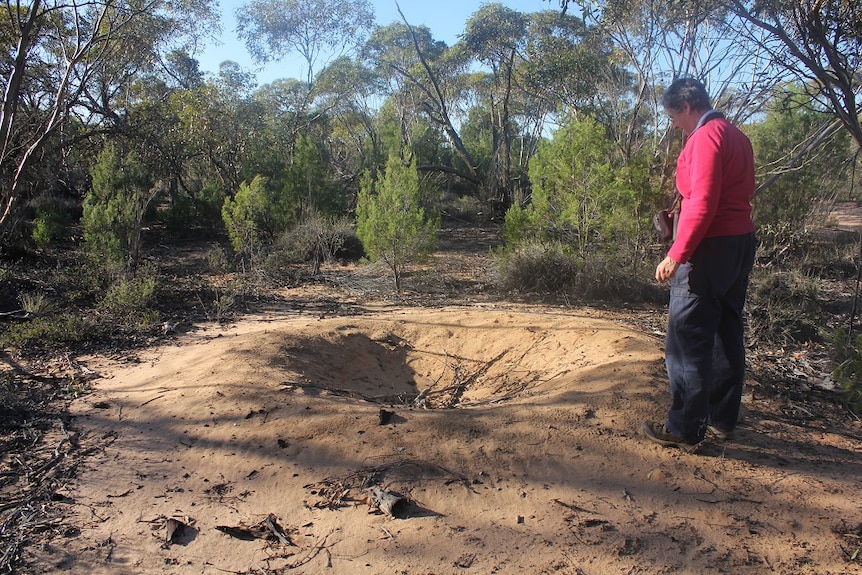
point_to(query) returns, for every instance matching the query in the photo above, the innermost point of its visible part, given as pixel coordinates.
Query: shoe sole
(687, 447)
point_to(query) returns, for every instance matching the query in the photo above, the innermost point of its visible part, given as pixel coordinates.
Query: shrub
(463, 208)
(537, 267)
(316, 240)
(309, 186)
(217, 260)
(584, 194)
(49, 222)
(245, 216)
(391, 222)
(50, 332)
(783, 306)
(128, 301)
(115, 207)
(549, 267)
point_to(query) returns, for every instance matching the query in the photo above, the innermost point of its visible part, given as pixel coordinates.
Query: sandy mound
(507, 436)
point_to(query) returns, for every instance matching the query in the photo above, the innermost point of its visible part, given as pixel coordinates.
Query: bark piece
(389, 503)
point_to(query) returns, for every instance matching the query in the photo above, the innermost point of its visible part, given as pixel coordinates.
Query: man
(708, 266)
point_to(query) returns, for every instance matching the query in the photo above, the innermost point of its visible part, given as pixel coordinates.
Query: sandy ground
(508, 436)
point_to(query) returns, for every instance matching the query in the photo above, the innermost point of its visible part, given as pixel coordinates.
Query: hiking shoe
(658, 433)
(719, 433)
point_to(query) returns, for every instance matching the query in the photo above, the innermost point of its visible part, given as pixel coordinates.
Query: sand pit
(509, 435)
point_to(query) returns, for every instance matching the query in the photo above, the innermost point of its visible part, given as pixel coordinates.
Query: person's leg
(693, 319)
(726, 391)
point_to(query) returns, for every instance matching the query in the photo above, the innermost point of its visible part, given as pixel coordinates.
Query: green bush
(391, 222)
(50, 332)
(584, 195)
(518, 225)
(128, 303)
(208, 202)
(47, 226)
(245, 216)
(217, 260)
(309, 186)
(115, 208)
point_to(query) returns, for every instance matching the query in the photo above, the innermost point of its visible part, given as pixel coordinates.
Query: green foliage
(564, 59)
(60, 331)
(271, 28)
(848, 366)
(51, 219)
(216, 260)
(584, 197)
(391, 222)
(210, 199)
(518, 225)
(253, 217)
(195, 212)
(795, 195)
(43, 232)
(114, 209)
(586, 205)
(264, 210)
(128, 302)
(309, 187)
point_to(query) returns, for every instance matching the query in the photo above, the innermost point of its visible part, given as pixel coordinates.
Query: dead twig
(312, 552)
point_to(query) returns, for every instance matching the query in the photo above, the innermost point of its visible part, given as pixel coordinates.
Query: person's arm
(705, 183)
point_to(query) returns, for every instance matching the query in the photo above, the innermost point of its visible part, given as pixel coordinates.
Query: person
(707, 265)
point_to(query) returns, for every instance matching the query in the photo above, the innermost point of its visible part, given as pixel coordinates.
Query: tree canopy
(81, 76)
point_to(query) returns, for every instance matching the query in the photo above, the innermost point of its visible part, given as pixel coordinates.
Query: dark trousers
(705, 349)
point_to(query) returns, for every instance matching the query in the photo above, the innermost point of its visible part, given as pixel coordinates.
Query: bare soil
(507, 434)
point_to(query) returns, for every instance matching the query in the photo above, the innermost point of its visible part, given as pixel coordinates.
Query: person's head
(686, 91)
(686, 101)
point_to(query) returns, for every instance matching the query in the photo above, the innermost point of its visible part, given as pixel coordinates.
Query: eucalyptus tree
(283, 104)
(563, 61)
(558, 76)
(418, 84)
(347, 95)
(73, 59)
(819, 43)
(496, 37)
(221, 121)
(434, 83)
(314, 29)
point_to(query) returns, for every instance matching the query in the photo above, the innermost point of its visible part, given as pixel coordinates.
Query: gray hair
(686, 90)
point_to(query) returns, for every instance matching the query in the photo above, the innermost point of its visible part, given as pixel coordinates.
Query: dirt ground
(505, 436)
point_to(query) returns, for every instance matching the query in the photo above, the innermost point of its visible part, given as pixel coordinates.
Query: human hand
(666, 269)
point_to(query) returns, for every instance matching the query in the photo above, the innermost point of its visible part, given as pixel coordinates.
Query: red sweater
(715, 176)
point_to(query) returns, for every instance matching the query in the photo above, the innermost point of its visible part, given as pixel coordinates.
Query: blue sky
(445, 19)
